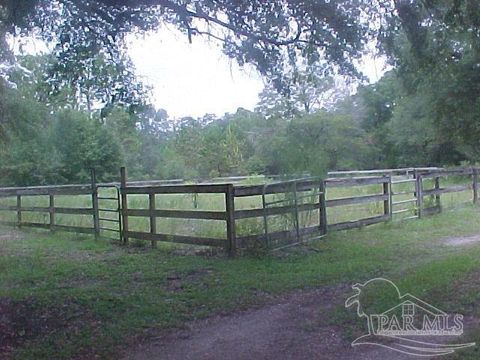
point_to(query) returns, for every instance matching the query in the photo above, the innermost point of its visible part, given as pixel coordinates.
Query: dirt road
(296, 327)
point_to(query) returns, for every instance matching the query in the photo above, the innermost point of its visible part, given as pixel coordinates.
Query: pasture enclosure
(236, 215)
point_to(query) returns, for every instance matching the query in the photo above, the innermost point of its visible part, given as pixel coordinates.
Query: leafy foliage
(82, 106)
(272, 35)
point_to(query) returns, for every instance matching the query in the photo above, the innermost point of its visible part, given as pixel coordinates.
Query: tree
(375, 105)
(82, 144)
(94, 82)
(45, 147)
(434, 46)
(269, 34)
(322, 141)
(84, 83)
(273, 35)
(308, 89)
(25, 152)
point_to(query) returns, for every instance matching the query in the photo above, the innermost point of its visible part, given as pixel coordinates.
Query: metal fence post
(96, 215)
(230, 211)
(124, 204)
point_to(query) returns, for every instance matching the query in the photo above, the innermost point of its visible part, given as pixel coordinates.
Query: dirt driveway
(295, 327)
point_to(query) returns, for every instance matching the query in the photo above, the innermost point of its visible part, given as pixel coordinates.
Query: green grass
(99, 297)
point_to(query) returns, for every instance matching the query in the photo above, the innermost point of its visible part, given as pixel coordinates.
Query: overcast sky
(192, 79)
(195, 79)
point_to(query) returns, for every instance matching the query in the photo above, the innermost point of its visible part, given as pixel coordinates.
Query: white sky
(192, 79)
(195, 79)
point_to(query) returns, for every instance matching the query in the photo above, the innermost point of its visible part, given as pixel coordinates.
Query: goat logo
(397, 321)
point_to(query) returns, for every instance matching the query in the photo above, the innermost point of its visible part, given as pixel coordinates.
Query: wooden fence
(51, 210)
(292, 204)
(152, 213)
(382, 195)
(288, 198)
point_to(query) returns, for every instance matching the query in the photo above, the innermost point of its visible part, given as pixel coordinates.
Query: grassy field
(72, 297)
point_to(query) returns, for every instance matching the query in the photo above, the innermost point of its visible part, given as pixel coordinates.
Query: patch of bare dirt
(176, 282)
(10, 235)
(463, 240)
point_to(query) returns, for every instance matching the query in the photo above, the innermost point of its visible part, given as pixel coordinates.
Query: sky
(192, 79)
(195, 79)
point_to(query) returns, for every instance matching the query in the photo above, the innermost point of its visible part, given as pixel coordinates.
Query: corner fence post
(124, 205)
(323, 208)
(475, 185)
(230, 212)
(96, 215)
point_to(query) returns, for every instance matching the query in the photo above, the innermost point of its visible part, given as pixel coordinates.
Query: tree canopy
(269, 34)
(272, 35)
(424, 111)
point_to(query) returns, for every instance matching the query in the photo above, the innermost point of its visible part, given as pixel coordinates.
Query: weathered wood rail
(382, 197)
(152, 213)
(288, 198)
(52, 210)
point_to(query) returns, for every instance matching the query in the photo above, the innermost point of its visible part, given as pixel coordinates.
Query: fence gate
(109, 212)
(288, 214)
(405, 194)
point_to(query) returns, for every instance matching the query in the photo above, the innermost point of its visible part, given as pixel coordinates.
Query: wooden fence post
(230, 210)
(419, 194)
(153, 218)
(475, 185)
(296, 217)
(51, 210)
(387, 203)
(124, 205)
(323, 209)
(19, 211)
(438, 203)
(96, 214)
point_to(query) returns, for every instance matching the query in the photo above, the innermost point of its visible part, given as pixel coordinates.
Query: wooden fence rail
(290, 198)
(51, 209)
(152, 213)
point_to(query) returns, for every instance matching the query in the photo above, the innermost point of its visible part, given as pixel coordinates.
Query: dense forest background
(72, 110)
